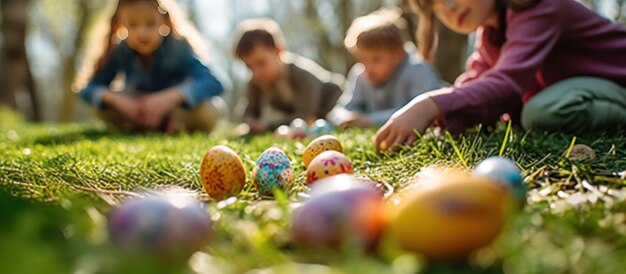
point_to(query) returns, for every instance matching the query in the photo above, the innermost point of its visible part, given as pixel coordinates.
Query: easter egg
(448, 219)
(328, 163)
(338, 183)
(222, 173)
(320, 127)
(272, 171)
(353, 216)
(282, 132)
(171, 226)
(504, 172)
(298, 129)
(319, 145)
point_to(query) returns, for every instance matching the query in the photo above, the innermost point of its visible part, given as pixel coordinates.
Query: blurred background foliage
(44, 42)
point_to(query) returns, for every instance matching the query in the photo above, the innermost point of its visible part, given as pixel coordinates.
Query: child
(387, 77)
(167, 88)
(553, 63)
(284, 86)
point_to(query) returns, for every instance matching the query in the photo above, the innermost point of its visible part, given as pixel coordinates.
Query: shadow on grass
(72, 136)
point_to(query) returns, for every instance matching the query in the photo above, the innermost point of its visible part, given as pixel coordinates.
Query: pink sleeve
(531, 35)
(477, 63)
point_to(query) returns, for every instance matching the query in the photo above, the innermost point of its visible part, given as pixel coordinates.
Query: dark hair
(427, 29)
(251, 39)
(257, 32)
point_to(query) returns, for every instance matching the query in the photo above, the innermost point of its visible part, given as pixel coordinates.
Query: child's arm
(252, 115)
(531, 36)
(203, 84)
(307, 89)
(99, 83)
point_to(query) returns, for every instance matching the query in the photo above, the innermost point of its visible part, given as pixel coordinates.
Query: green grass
(63, 180)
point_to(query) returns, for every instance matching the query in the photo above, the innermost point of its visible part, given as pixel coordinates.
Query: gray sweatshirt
(412, 78)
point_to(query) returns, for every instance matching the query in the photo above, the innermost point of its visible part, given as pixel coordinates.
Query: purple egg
(166, 225)
(353, 216)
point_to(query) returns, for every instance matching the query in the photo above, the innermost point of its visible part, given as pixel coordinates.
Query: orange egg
(319, 145)
(327, 164)
(222, 173)
(448, 219)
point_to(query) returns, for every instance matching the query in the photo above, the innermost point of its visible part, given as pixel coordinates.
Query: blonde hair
(105, 40)
(380, 29)
(257, 31)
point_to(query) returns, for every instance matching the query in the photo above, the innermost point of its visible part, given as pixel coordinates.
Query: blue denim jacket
(173, 65)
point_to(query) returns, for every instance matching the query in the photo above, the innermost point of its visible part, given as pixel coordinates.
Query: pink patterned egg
(273, 170)
(327, 164)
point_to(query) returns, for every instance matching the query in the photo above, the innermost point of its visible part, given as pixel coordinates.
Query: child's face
(143, 21)
(465, 16)
(264, 63)
(380, 64)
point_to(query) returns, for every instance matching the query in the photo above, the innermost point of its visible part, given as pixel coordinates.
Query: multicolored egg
(353, 216)
(320, 127)
(319, 145)
(298, 129)
(327, 164)
(171, 226)
(273, 170)
(505, 172)
(450, 218)
(222, 173)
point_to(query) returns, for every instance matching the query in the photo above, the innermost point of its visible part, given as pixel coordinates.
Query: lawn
(60, 181)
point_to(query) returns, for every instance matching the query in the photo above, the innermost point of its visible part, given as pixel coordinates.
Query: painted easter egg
(319, 145)
(282, 132)
(320, 127)
(273, 170)
(222, 173)
(448, 219)
(505, 172)
(354, 216)
(326, 164)
(171, 226)
(298, 129)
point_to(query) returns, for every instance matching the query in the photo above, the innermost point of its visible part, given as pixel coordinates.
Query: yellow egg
(448, 219)
(222, 173)
(327, 164)
(319, 145)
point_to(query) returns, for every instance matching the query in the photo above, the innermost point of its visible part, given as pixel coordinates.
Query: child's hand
(357, 120)
(127, 106)
(257, 126)
(155, 106)
(416, 116)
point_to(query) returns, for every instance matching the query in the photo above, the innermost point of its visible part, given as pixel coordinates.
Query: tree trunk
(16, 81)
(68, 104)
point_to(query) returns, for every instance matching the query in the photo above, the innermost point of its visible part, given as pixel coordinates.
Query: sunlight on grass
(574, 219)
